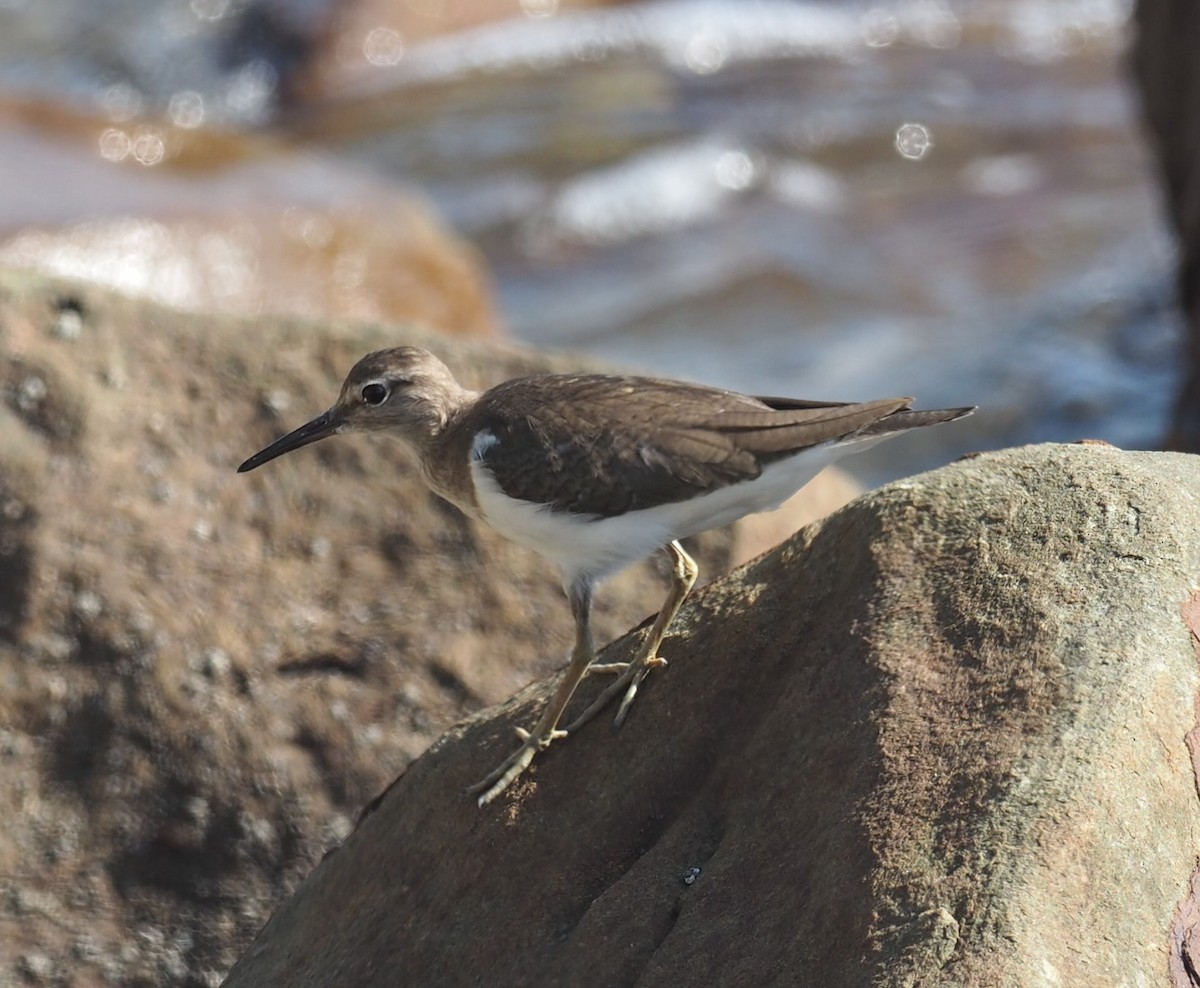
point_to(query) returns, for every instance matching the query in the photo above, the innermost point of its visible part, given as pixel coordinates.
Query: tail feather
(906, 418)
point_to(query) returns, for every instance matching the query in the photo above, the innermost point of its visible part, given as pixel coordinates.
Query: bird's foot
(509, 770)
(617, 668)
(524, 735)
(630, 678)
(639, 673)
(606, 669)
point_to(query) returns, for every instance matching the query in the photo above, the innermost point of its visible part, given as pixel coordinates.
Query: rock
(1168, 78)
(237, 226)
(391, 260)
(940, 738)
(205, 676)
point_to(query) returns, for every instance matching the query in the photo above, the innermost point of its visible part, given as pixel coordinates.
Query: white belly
(586, 546)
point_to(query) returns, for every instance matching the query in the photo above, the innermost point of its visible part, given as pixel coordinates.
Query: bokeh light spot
(121, 102)
(186, 109)
(539, 8)
(383, 46)
(210, 10)
(880, 28)
(115, 145)
(735, 170)
(706, 53)
(149, 148)
(913, 141)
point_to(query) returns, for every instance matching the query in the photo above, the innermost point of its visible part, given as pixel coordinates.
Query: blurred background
(832, 200)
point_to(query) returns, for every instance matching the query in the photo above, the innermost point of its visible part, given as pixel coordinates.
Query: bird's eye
(374, 394)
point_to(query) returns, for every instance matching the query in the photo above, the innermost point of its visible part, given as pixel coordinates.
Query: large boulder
(941, 738)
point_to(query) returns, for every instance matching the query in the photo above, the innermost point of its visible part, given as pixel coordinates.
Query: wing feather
(628, 443)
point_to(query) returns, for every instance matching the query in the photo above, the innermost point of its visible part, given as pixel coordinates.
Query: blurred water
(825, 199)
(942, 199)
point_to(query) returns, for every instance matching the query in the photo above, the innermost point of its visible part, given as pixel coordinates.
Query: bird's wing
(624, 444)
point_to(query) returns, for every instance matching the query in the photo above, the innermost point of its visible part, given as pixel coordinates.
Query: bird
(595, 472)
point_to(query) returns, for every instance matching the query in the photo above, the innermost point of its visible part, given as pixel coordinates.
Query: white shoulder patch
(483, 441)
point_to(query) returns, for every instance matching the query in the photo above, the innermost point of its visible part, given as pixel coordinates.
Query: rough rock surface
(205, 676)
(938, 739)
(1167, 73)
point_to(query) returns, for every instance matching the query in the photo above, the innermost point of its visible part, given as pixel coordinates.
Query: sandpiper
(595, 472)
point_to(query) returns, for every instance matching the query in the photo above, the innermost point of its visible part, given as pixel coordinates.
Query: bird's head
(406, 391)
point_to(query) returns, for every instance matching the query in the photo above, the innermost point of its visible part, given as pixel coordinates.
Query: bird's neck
(443, 451)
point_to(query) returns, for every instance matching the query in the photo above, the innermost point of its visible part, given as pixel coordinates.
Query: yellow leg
(683, 577)
(580, 596)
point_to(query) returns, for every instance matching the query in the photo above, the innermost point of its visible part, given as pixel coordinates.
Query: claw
(543, 743)
(506, 773)
(607, 669)
(630, 694)
(509, 770)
